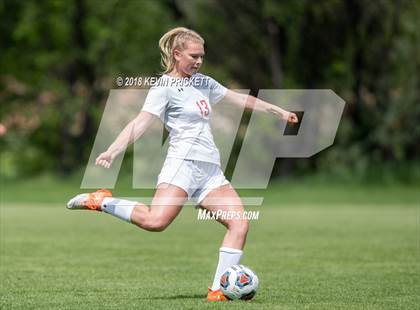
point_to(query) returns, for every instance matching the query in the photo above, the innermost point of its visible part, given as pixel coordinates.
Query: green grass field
(360, 252)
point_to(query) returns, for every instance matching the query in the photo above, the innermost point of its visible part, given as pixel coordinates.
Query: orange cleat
(91, 201)
(216, 295)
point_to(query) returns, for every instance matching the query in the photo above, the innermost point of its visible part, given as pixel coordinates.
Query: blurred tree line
(59, 59)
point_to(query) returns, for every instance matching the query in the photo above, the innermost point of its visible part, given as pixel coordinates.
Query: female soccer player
(183, 100)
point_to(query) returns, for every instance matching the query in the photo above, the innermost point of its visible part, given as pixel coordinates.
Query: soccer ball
(239, 282)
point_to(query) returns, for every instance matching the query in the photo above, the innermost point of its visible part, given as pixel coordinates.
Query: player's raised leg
(166, 205)
(226, 199)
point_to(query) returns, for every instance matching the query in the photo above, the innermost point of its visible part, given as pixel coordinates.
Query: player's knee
(157, 225)
(239, 227)
(160, 225)
(244, 226)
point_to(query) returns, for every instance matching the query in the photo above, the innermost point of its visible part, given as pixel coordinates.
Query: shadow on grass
(195, 296)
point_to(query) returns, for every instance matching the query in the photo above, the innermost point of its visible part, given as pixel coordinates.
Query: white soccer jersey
(184, 106)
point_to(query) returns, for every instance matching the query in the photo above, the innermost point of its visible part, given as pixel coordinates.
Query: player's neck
(178, 75)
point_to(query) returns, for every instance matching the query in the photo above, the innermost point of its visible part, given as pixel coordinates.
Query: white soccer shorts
(196, 178)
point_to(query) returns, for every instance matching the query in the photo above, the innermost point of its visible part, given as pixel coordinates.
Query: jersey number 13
(204, 108)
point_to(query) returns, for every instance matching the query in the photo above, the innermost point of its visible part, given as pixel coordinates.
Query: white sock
(227, 258)
(118, 207)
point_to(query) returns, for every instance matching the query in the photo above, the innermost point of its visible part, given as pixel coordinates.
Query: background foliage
(60, 58)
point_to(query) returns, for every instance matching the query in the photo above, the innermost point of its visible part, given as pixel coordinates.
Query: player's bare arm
(133, 131)
(256, 104)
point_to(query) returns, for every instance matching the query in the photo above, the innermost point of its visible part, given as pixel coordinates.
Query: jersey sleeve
(156, 101)
(216, 91)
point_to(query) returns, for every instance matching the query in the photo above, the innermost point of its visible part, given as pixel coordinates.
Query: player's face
(190, 59)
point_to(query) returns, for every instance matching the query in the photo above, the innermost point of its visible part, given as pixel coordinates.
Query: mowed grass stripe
(311, 257)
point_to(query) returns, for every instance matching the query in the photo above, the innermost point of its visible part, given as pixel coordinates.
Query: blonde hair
(175, 38)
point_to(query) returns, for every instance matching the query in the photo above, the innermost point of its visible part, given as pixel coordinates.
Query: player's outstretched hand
(292, 118)
(105, 159)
